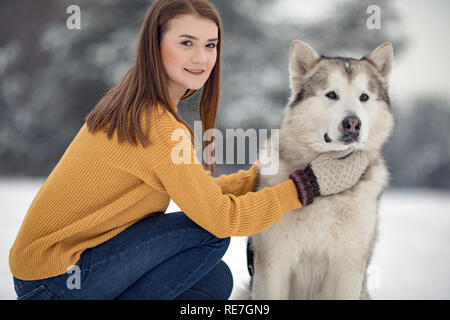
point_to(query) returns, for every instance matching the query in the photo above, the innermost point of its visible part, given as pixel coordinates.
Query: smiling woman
(178, 53)
(188, 49)
(179, 49)
(102, 207)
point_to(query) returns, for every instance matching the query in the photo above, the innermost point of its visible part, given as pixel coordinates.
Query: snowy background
(411, 258)
(45, 93)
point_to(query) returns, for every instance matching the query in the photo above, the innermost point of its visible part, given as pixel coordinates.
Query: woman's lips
(198, 73)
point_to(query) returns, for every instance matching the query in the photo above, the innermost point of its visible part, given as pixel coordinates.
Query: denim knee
(223, 272)
(226, 288)
(222, 244)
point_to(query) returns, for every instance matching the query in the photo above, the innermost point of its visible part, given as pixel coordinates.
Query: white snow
(411, 259)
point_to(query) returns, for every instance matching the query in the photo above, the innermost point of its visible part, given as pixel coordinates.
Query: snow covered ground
(411, 258)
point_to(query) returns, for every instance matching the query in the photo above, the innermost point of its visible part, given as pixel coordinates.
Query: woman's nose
(199, 56)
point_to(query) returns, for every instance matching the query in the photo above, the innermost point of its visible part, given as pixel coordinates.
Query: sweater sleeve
(238, 183)
(200, 197)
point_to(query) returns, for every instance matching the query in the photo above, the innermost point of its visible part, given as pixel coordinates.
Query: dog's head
(339, 102)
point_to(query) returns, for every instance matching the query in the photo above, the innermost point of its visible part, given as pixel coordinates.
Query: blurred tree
(51, 77)
(55, 76)
(418, 152)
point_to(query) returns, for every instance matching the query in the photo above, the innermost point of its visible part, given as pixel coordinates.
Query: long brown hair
(146, 83)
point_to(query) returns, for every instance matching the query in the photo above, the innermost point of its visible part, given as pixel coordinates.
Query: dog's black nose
(351, 126)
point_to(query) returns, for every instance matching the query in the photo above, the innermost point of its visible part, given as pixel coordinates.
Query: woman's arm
(201, 198)
(198, 195)
(238, 183)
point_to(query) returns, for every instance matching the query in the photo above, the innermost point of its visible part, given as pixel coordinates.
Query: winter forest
(52, 76)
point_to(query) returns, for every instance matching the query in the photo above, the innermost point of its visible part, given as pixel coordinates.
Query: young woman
(96, 229)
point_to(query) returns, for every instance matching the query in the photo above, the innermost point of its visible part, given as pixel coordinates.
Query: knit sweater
(100, 187)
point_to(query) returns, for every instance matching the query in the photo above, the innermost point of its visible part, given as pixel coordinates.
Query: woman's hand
(330, 173)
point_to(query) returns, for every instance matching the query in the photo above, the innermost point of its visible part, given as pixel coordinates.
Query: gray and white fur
(322, 251)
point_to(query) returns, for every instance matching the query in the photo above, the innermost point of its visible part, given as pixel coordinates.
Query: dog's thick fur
(322, 251)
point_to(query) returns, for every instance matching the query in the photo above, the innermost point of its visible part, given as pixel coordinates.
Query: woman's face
(188, 50)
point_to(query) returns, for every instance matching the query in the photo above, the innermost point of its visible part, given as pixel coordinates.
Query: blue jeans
(159, 257)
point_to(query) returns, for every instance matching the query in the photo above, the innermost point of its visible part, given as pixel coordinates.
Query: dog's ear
(301, 59)
(382, 58)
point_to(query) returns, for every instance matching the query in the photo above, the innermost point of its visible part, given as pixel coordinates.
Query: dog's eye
(364, 97)
(331, 95)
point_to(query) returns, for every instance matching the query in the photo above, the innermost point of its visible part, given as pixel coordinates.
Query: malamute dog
(321, 251)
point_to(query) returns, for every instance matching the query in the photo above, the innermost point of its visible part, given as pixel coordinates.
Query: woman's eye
(187, 43)
(332, 95)
(364, 97)
(211, 45)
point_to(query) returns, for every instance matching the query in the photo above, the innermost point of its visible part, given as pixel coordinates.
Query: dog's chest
(331, 222)
(323, 223)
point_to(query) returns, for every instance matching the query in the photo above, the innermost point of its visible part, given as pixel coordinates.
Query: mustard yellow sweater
(100, 187)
